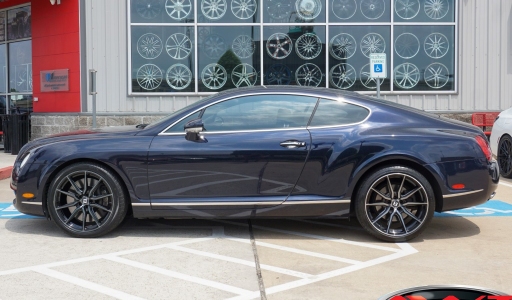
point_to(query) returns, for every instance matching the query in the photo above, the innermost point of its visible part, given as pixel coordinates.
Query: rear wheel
(395, 204)
(86, 200)
(505, 156)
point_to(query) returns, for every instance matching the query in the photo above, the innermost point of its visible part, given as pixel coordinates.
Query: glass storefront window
(324, 43)
(19, 23)
(20, 67)
(3, 69)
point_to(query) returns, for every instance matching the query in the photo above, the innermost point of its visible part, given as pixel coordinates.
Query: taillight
(484, 145)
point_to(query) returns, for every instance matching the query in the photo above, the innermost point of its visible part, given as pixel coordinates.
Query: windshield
(178, 112)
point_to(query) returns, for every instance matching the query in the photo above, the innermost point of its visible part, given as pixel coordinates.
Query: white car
(501, 142)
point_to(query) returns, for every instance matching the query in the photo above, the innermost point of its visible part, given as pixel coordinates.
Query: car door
(250, 155)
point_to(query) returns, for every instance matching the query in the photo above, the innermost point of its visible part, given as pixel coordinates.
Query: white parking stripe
(301, 282)
(240, 261)
(165, 272)
(298, 251)
(86, 284)
(506, 184)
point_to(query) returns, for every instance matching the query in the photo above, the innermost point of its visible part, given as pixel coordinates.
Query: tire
(505, 156)
(102, 201)
(395, 217)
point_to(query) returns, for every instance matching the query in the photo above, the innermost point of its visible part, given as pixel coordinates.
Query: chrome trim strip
(32, 203)
(340, 99)
(316, 202)
(296, 202)
(462, 194)
(215, 203)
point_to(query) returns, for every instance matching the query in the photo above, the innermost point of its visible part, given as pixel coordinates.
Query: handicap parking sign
(378, 63)
(377, 68)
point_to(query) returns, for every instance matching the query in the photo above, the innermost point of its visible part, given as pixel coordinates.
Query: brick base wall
(45, 125)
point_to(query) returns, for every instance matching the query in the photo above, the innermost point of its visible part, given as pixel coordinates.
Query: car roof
(283, 89)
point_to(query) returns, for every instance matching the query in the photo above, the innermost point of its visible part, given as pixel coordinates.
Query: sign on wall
(55, 80)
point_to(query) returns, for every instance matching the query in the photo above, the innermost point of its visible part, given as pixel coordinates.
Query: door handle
(292, 144)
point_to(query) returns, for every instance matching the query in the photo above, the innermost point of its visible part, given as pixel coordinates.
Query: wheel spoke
(390, 188)
(94, 187)
(68, 194)
(414, 203)
(407, 212)
(99, 197)
(402, 221)
(408, 195)
(390, 220)
(380, 194)
(377, 204)
(75, 212)
(381, 215)
(67, 205)
(74, 185)
(400, 189)
(93, 215)
(84, 218)
(100, 207)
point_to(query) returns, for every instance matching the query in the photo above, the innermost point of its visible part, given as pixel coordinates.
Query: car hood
(99, 133)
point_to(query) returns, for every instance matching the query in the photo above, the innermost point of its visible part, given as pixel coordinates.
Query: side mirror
(192, 130)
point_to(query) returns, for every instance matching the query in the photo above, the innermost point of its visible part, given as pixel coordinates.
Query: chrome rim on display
(279, 45)
(407, 75)
(342, 76)
(344, 9)
(308, 75)
(278, 74)
(372, 9)
(407, 9)
(308, 9)
(149, 46)
(308, 46)
(243, 9)
(214, 76)
(407, 45)
(436, 45)
(279, 9)
(149, 77)
(84, 201)
(436, 75)
(244, 75)
(178, 76)
(178, 9)
(148, 9)
(214, 46)
(396, 205)
(213, 9)
(366, 79)
(372, 43)
(178, 46)
(243, 46)
(343, 46)
(436, 9)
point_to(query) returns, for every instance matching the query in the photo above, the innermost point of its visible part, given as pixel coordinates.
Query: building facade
(152, 57)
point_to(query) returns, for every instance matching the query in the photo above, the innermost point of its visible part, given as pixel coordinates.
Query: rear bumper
(485, 189)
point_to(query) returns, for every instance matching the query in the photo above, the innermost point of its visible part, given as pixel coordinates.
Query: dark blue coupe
(262, 152)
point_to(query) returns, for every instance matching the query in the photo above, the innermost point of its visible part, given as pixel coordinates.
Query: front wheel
(86, 200)
(395, 204)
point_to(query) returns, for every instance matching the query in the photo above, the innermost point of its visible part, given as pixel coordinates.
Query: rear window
(332, 113)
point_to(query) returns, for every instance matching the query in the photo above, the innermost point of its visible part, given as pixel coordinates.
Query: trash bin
(7, 132)
(19, 127)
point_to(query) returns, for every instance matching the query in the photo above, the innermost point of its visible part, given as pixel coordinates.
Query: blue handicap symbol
(493, 208)
(8, 211)
(377, 68)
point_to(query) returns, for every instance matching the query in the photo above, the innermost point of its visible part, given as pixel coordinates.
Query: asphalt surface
(272, 259)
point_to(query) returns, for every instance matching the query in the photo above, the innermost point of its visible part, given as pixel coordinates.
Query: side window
(259, 112)
(179, 127)
(332, 113)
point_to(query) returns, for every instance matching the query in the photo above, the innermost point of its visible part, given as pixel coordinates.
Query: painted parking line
(8, 211)
(492, 208)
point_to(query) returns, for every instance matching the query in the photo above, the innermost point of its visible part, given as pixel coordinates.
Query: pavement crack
(263, 294)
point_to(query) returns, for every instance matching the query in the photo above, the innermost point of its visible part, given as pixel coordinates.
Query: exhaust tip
(492, 196)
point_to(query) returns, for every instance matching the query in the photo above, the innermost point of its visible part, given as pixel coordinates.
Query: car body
(262, 152)
(501, 142)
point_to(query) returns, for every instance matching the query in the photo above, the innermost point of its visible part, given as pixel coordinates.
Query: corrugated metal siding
(484, 61)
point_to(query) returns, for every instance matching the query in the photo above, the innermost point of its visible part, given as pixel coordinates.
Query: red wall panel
(55, 45)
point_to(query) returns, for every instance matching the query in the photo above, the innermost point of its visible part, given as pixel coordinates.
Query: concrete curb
(5, 172)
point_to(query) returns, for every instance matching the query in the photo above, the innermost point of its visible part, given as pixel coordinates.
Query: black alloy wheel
(86, 200)
(395, 204)
(505, 156)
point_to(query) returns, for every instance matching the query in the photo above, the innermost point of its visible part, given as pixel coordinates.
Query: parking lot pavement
(285, 259)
